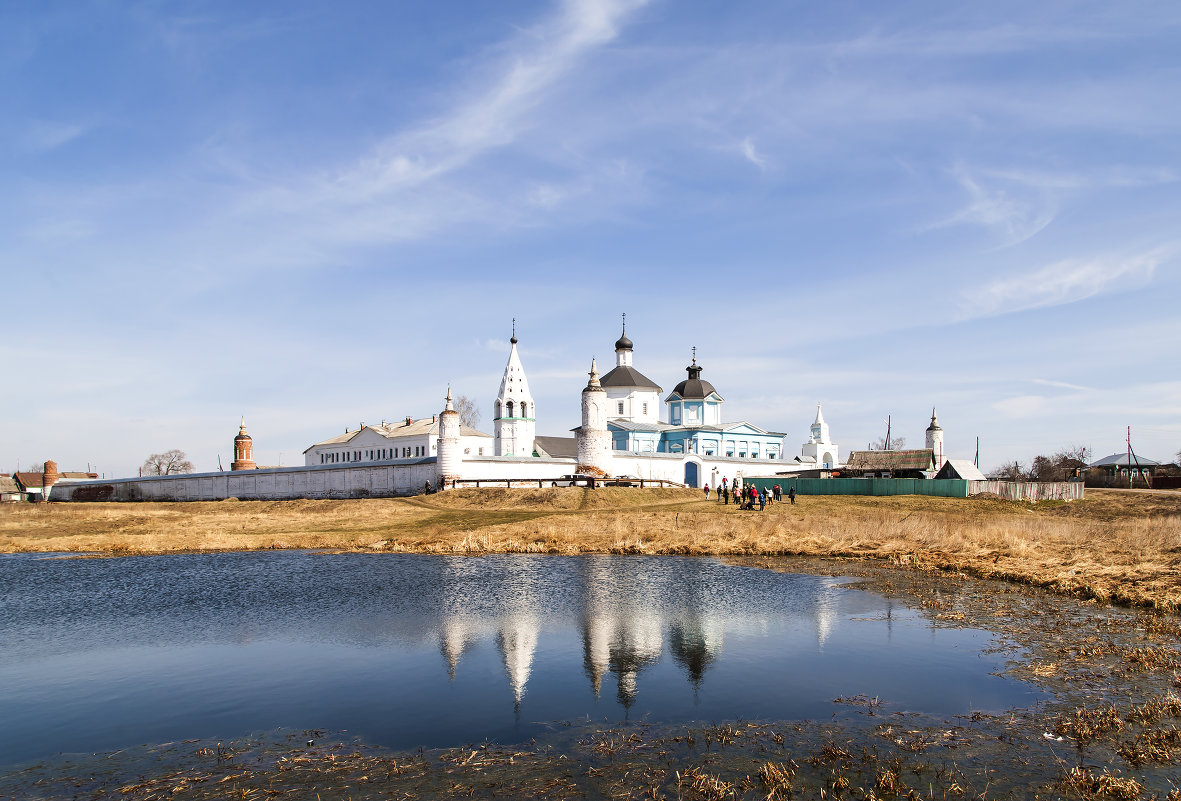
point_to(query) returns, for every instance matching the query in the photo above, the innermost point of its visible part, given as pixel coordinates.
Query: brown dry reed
(1113, 546)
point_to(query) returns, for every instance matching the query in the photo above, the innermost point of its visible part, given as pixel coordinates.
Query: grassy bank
(1114, 546)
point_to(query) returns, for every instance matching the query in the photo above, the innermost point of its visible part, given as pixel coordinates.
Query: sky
(317, 215)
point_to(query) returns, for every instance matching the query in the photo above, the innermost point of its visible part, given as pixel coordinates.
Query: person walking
(791, 493)
(719, 494)
(762, 500)
(725, 494)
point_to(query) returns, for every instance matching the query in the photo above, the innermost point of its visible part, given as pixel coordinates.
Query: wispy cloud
(1014, 216)
(42, 137)
(1066, 281)
(751, 153)
(491, 117)
(1046, 382)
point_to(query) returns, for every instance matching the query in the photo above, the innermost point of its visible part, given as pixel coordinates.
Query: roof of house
(919, 459)
(391, 431)
(8, 484)
(557, 447)
(1122, 460)
(27, 480)
(961, 468)
(77, 475)
(629, 377)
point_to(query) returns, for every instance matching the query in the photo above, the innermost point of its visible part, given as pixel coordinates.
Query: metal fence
(941, 488)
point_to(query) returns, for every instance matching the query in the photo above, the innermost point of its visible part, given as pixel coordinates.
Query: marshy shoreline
(1105, 727)
(1114, 546)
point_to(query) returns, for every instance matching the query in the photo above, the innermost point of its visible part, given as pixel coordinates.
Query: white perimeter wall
(337, 481)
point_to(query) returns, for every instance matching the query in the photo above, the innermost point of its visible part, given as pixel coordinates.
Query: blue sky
(320, 214)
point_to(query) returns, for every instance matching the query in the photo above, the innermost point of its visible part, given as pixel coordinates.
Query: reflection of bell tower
(518, 641)
(826, 613)
(243, 450)
(453, 641)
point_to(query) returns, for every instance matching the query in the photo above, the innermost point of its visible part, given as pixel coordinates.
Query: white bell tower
(514, 420)
(935, 440)
(819, 448)
(593, 438)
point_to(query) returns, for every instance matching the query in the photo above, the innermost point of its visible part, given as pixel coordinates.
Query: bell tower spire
(514, 419)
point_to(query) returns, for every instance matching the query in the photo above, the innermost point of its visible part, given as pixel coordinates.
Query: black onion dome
(693, 388)
(623, 343)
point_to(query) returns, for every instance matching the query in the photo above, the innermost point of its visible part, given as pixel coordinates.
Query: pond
(406, 651)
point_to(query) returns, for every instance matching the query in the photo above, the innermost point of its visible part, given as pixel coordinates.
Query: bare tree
(166, 464)
(896, 444)
(1013, 471)
(1061, 464)
(469, 411)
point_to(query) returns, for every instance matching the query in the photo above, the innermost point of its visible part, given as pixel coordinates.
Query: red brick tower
(50, 476)
(243, 450)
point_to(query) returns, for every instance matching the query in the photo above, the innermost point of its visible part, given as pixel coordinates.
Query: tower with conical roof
(935, 440)
(820, 449)
(514, 418)
(594, 440)
(448, 455)
(243, 450)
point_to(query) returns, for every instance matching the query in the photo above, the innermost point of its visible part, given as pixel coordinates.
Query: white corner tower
(448, 457)
(820, 449)
(514, 420)
(935, 440)
(594, 441)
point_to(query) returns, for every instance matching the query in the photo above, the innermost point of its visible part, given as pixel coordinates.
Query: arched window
(524, 407)
(508, 409)
(498, 408)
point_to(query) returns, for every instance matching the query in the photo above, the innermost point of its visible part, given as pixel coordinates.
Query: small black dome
(623, 343)
(693, 387)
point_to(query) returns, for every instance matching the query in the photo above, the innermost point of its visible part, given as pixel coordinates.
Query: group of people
(746, 497)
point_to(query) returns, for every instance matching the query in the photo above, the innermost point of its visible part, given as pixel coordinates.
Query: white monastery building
(622, 433)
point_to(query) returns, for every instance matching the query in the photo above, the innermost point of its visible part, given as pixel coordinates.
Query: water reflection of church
(624, 622)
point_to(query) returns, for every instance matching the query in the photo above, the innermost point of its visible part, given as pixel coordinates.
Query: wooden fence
(1030, 490)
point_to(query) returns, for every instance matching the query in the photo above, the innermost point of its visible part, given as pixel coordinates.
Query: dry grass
(1114, 546)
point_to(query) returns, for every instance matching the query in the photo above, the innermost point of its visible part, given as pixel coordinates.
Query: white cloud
(1066, 281)
(752, 154)
(1014, 216)
(42, 137)
(1045, 382)
(1023, 406)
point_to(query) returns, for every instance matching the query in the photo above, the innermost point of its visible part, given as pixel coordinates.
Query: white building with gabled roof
(405, 439)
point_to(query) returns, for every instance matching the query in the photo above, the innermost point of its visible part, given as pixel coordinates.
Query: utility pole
(1128, 460)
(889, 445)
(977, 462)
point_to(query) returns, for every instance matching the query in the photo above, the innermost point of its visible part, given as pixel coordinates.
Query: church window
(524, 409)
(498, 408)
(508, 409)
(709, 453)
(621, 407)
(480, 452)
(645, 408)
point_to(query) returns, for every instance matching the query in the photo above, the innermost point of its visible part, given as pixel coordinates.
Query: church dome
(693, 387)
(623, 343)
